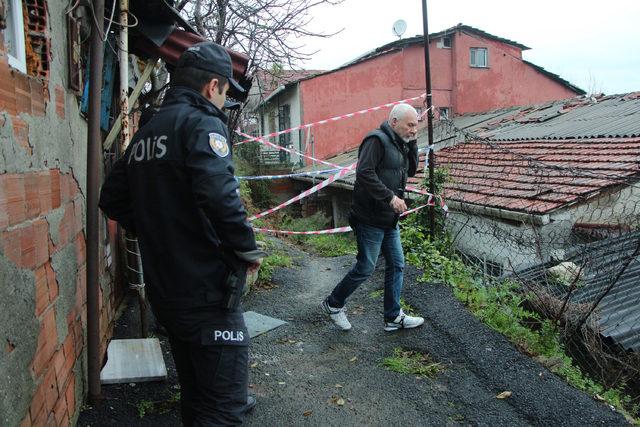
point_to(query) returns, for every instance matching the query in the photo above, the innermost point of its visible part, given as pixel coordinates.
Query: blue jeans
(370, 241)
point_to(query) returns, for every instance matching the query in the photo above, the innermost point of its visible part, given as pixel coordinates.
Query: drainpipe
(94, 148)
(427, 67)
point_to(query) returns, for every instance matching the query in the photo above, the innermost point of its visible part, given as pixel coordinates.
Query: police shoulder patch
(218, 144)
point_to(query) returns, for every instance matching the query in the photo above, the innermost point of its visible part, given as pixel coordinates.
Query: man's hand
(398, 205)
(253, 267)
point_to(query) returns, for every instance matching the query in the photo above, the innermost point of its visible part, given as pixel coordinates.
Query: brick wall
(42, 243)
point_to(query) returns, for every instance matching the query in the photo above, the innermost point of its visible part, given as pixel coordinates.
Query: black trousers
(213, 379)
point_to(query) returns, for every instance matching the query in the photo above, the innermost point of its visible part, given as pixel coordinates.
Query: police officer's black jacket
(384, 162)
(175, 189)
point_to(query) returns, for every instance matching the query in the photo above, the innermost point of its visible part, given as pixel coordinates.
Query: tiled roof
(536, 174)
(539, 158)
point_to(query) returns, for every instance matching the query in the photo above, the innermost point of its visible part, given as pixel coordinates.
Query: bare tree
(267, 31)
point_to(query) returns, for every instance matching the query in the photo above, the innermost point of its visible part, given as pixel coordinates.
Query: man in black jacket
(175, 189)
(387, 156)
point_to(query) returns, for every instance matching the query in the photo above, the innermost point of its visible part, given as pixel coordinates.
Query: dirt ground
(308, 373)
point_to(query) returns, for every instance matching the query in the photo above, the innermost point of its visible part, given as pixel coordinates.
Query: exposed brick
(10, 241)
(27, 247)
(41, 236)
(50, 389)
(44, 191)
(60, 101)
(32, 195)
(65, 228)
(78, 225)
(60, 412)
(47, 342)
(26, 421)
(42, 290)
(69, 358)
(54, 176)
(7, 89)
(81, 287)
(4, 214)
(21, 133)
(73, 186)
(70, 394)
(38, 98)
(79, 340)
(52, 282)
(81, 249)
(23, 93)
(40, 417)
(14, 190)
(58, 365)
(65, 194)
(37, 402)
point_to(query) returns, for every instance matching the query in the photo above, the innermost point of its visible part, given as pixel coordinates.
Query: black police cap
(211, 57)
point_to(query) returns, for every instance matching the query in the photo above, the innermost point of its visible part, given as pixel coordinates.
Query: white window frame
(18, 62)
(473, 54)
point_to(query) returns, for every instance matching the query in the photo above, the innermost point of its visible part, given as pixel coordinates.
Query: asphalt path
(307, 373)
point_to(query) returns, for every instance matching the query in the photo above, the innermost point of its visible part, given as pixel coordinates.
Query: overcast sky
(593, 44)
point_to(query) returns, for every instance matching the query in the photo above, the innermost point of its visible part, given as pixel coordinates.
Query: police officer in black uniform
(175, 189)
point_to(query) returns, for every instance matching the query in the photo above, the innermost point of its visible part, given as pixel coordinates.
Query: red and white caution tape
(330, 230)
(346, 171)
(333, 119)
(288, 150)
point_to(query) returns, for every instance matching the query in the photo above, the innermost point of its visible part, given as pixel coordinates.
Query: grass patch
(146, 407)
(327, 245)
(412, 362)
(269, 265)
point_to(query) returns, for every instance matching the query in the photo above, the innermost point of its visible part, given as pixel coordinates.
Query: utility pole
(427, 67)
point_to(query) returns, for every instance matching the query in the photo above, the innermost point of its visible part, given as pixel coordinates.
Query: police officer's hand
(254, 267)
(398, 205)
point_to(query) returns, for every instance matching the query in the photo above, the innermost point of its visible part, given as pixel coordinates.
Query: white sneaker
(403, 321)
(337, 315)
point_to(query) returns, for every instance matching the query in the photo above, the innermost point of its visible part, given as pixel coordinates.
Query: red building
(471, 71)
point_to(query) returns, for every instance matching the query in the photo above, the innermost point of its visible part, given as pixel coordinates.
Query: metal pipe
(123, 53)
(94, 148)
(427, 67)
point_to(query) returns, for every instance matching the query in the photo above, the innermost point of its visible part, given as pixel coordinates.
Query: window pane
(473, 57)
(9, 33)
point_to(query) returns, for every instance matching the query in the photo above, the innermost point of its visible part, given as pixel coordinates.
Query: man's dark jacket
(384, 162)
(175, 189)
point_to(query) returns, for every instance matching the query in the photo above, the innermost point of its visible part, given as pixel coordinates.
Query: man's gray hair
(400, 110)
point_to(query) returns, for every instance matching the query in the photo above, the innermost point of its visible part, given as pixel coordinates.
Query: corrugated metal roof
(618, 314)
(608, 117)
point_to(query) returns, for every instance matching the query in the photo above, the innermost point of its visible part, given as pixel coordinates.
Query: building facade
(471, 71)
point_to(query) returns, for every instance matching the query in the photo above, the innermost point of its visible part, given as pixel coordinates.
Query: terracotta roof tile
(536, 176)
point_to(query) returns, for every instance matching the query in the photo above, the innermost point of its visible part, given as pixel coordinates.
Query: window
(284, 122)
(444, 113)
(26, 37)
(479, 57)
(14, 36)
(446, 42)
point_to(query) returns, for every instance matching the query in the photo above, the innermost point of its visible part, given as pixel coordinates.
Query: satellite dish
(399, 27)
